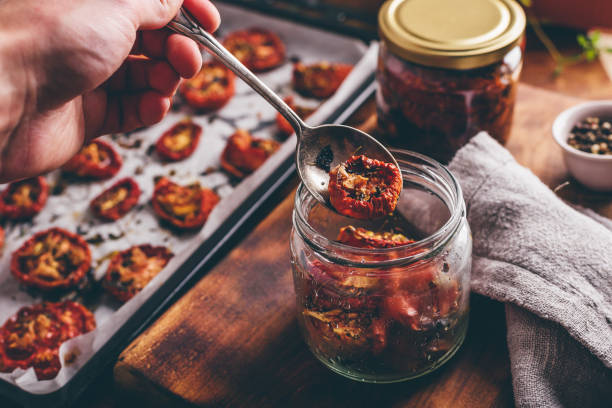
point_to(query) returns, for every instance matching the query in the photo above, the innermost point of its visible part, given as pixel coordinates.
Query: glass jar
(443, 77)
(386, 314)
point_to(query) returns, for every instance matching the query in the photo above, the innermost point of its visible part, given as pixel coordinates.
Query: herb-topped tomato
(211, 88)
(184, 207)
(319, 80)
(97, 160)
(32, 337)
(131, 270)
(364, 188)
(24, 199)
(51, 259)
(284, 126)
(363, 238)
(114, 202)
(258, 49)
(179, 141)
(244, 154)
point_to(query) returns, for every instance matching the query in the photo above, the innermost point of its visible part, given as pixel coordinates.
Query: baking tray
(264, 182)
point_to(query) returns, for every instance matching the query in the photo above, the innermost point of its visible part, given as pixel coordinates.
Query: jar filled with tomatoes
(385, 299)
(447, 69)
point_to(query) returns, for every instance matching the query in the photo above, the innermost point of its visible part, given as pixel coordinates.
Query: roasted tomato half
(319, 80)
(184, 207)
(211, 88)
(244, 154)
(284, 126)
(363, 238)
(346, 333)
(114, 202)
(24, 199)
(51, 259)
(97, 160)
(364, 188)
(131, 270)
(258, 49)
(32, 337)
(179, 141)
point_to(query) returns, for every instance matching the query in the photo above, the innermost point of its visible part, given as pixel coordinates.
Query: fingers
(205, 12)
(154, 14)
(182, 53)
(122, 112)
(139, 73)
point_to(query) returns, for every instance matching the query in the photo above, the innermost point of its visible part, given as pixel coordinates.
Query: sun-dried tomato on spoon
(364, 188)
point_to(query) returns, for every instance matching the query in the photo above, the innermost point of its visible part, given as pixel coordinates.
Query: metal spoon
(344, 141)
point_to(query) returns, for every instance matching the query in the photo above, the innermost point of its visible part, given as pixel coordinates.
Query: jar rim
(420, 249)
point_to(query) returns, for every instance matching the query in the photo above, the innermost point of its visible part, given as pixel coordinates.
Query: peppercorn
(592, 135)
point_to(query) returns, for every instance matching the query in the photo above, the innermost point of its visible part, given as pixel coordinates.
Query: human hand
(71, 70)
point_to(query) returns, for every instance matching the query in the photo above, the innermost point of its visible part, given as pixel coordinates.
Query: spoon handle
(186, 25)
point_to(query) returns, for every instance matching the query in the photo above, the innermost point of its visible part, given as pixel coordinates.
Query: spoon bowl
(343, 142)
(337, 142)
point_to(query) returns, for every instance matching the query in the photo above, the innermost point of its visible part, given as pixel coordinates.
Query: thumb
(154, 14)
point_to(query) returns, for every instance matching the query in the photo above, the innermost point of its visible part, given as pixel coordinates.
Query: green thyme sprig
(589, 45)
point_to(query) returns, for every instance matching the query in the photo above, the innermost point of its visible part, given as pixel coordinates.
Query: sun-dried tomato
(24, 199)
(257, 48)
(32, 337)
(320, 80)
(114, 202)
(244, 154)
(211, 88)
(51, 259)
(179, 141)
(184, 207)
(336, 286)
(363, 238)
(364, 188)
(96, 160)
(284, 126)
(131, 270)
(435, 111)
(346, 333)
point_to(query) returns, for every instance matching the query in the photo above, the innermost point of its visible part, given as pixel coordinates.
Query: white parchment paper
(247, 110)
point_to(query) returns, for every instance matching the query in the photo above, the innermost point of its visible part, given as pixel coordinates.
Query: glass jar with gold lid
(447, 70)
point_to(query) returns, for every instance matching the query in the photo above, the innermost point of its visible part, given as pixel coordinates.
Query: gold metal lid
(459, 34)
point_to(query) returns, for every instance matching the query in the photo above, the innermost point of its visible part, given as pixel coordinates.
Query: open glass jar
(448, 69)
(386, 314)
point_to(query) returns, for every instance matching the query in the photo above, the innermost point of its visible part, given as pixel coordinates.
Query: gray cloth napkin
(552, 265)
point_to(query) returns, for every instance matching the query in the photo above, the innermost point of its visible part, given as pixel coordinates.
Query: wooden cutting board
(232, 340)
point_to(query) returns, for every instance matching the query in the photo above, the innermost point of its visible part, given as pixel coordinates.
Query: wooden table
(272, 366)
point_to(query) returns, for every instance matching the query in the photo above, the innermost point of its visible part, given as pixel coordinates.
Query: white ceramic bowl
(592, 170)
